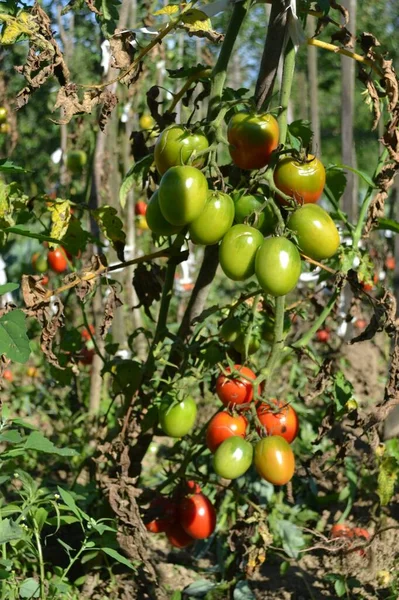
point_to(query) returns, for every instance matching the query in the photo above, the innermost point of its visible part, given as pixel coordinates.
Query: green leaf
(176, 595)
(14, 342)
(11, 437)
(242, 591)
(388, 224)
(8, 287)
(37, 441)
(301, 131)
(361, 174)
(41, 515)
(75, 238)
(112, 227)
(117, 556)
(291, 537)
(387, 478)
(343, 390)
(335, 182)
(340, 588)
(30, 588)
(71, 504)
(136, 175)
(9, 167)
(199, 588)
(10, 531)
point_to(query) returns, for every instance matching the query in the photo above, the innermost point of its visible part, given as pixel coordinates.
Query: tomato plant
(222, 426)
(164, 512)
(247, 210)
(238, 250)
(252, 139)
(315, 231)
(233, 457)
(178, 146)
(183, 193)
(274, 460)
(176, 417)
(197, 516)
(57, 260)
(279, 418)
(155, 219)
(303, 180)
(277, 266)
(214, 221)
(235, 390)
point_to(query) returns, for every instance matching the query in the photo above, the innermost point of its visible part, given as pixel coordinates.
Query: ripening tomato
(197, 516)
(315, 231)
(140, 207)
(222, 426)
(274, 460)
(233, 458)
(141, 223)
(238, 250)
(252, 139)
(390, 263)
(177, 418)
(155, 219)
(7, 375)
(178, 146)
(32, 372)
(277, 266)
(340, 530)
(214, 221)
(246, 207)
(146, 122)
(4, 128)
(178, 537)
(183, 193)
(39, 262)
(76, 160)
(302, 180)
(279, 418)
(57, 260)
(232, 389)
(360, 323)
(85, 333)
(164, 512)
(44, 280)
(363, 534)
(3, 114)
(323, 335)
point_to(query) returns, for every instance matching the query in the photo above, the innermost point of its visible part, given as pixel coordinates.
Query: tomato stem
(285, 91)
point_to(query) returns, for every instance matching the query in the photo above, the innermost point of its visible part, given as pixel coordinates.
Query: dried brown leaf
(344, 12)
(52, 318)
(367, 81)
(384, 181)
(113, 302)
(33, 292)
(109, 100)
(344, 37)
(69, 101)
(122, 46)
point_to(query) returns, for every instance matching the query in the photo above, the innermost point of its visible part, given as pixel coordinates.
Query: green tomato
(183, 193)
(76, 160)
(238, 250)
(245, 206)
(155, 219)
(254, 342)
(3, 114)
(315, 230)
(233, 457)
(214, 221)
(177, 146)
(177, 418)
(278, 266)
(231, 329)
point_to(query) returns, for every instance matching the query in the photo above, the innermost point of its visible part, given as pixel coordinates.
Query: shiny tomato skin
(155, 219)
(197, 516)
(280, 419)
(57, 260)
(3, 114)
(323, 335)
(183, 193)
(245, 206)
(274, 460)
(277, 266)
(177, 418)
(238, 250)
(231, 329)
(140, 207)
(315, 231)
(223, 426)
(252, 139)
(165, 511)
(233, 390)
(233, 458)
(177, 146)
(178, 537)
(214, 221)
(303, 181)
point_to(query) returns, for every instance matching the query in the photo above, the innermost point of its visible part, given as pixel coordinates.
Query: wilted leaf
(60, 217)
(387, 476)
(113, 302)
(112, 227)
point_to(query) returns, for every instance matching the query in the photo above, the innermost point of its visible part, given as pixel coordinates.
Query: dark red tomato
(390, 263)
(252, 139)
(86, 335)
(302, 180)
(86, 356)
(222, 426)
(339, 530)
(140, 207)
(178, 537)
(164, 511)
(197, 516)
(232, 390)
(323, 335)
(280, 419)
(57, 260)
(7, 375)
(274, 460)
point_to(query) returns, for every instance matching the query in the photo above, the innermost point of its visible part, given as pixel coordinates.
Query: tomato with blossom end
(274, 460)
(315, 231)
(323, 335)
(177, 418)
(277, 266)
(238, 250)
(214, 221)
(178, 537)
(155, 219)
(302, 180)
(178, 146)
(233, 458)
(223, 426)
(233, 389)
(279, 418)
(252, 139)
(183, 193)
(140, 207)
(57, 260)
(197, 516)
(165, 512)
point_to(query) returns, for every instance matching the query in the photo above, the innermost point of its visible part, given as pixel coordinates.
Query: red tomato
(57, 260)
(359, 532)
(197, 516)
(280, 419)
(86, 356)
(86, 335)
(192, 487)
(235, 391)
(252, 139)
(302, 180)
(44, 280)
(165, 514)
(390, 263)
(7, 375)
(339, 530)
(140, 208)
(178, 537)
(323, 335)
(222, 426)
(360, 323)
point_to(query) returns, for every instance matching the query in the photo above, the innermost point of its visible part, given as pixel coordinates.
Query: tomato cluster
(188, 516)
(4, 125)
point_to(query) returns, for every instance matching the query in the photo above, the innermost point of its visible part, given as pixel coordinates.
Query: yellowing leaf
(112, 227)
(387, 477)
(169, 10)
(60, 217)
(23, 24)
(196, 20)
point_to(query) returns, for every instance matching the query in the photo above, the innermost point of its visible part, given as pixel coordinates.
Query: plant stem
(41, 563)
(304, 340)
(336, 50)
(278, 339)
(285, 92)
(167, 294)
